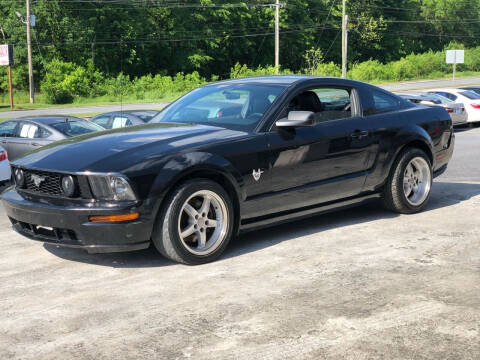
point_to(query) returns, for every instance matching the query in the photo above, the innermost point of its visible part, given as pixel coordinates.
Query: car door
(29, 136)
(7, 135)
(320, 163)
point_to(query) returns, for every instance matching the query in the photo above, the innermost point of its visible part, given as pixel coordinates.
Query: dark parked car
(22, 135)
(191, 179)
(120, 119)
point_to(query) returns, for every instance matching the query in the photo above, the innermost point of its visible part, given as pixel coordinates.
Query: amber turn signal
(113, 218)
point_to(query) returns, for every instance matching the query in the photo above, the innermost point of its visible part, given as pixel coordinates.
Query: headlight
(111, 188)
(68, 186)
(19, 178)
(121, 188)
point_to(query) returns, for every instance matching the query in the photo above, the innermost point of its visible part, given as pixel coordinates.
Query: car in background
(456, 110)
(475, 89)
(19, 136)
(121, 119)
(5, 173)
(470, 99)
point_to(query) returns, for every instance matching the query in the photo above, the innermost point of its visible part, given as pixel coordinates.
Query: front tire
(196, 223)
(410, 182)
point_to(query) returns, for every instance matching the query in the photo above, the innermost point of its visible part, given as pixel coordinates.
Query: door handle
(35, 144)
(359, 134)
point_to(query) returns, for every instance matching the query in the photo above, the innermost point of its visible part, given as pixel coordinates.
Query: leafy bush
(64, 81)
(327, 69)
(370, 70)
(241, 71)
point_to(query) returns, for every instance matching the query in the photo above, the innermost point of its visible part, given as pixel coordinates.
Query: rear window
(145, 116)
(470, 95)
(383, 102)
(74, 128)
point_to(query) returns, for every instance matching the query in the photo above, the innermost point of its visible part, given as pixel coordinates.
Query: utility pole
(29, 50)
(344, 40)
(277, 35)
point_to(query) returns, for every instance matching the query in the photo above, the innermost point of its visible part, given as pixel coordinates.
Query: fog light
(19, 178)
(68, 186)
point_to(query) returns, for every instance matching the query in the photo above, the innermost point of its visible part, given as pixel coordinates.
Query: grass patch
(22, 101)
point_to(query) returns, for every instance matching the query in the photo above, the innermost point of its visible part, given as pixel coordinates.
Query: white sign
(455, 56)
(6, 55)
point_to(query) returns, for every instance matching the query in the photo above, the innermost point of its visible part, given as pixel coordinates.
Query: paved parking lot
(357, 284)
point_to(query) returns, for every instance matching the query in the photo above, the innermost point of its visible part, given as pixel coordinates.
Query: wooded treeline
(138, 37)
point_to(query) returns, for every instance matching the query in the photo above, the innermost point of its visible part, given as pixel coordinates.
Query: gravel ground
(357, 284)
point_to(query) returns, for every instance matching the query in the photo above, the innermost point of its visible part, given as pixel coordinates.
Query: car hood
(119, 150)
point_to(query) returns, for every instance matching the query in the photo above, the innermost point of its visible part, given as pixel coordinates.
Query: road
(80, 110)
(430, 84)
(402, 86)
(357, 284)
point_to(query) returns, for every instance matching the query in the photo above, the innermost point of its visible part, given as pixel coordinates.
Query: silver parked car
(19, 136)
(456, 110)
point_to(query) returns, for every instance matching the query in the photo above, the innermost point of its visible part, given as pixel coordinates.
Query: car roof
(129, 112)
(48, 119)
(270, 80)
(448, 90)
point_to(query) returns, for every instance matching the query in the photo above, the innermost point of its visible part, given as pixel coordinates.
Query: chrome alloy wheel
(203, 222)
(417, 180)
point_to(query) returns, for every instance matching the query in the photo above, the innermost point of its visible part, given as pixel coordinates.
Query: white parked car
(470, 99)
(4, 167)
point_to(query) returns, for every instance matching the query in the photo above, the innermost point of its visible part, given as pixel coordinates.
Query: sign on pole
(6, 55)
(6, 59)
(455, 57)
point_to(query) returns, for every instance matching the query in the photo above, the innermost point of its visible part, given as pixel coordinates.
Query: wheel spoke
(407, 189)
(212, 223)
(189, 230)
(409, 170)
(205, 206)
(201, 239)
(191, 212)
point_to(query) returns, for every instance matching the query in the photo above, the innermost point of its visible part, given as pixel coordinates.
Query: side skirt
(302, 213)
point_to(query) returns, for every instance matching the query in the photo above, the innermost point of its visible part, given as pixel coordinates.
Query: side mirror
(297, 119)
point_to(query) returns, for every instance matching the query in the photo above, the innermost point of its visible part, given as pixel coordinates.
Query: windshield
(76, 127)
(238, 106)
(470, 95)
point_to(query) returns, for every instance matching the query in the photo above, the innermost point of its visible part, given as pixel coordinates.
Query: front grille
(51, 184)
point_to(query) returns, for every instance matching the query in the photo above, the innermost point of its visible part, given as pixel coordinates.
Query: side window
(328, 103)
(102, 121)
(120, 122)
(44, 133)
(7, 129)
(28, 131)
(452, 96)
(383, 102)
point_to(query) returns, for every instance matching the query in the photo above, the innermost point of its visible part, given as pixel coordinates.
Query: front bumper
(69, 225)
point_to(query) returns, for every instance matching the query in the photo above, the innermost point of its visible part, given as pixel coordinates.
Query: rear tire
(195, 224)
(410, 182)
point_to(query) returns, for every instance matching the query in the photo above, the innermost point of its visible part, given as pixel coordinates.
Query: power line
(134, 41)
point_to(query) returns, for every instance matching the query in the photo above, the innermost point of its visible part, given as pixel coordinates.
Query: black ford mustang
(231, 156)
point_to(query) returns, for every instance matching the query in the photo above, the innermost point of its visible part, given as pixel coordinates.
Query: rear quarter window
(381, 103)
